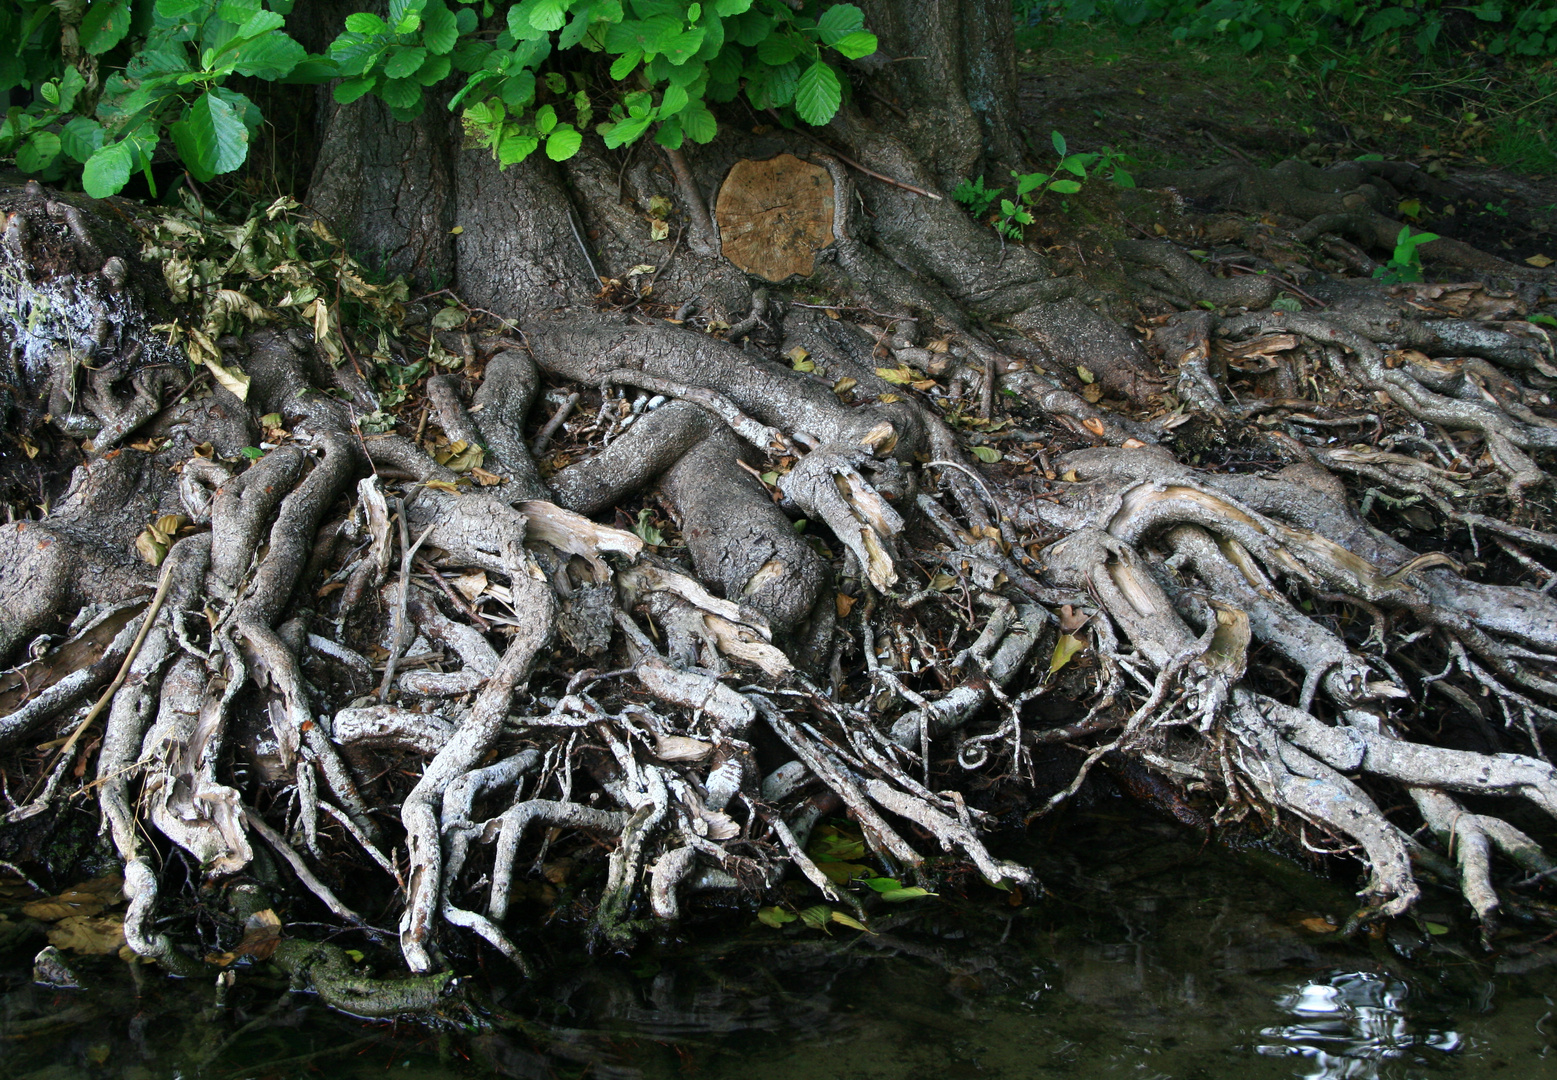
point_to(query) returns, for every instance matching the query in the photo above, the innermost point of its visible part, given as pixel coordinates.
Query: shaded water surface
(1152, 956)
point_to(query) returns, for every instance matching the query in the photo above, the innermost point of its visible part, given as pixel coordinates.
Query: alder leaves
(164, 77)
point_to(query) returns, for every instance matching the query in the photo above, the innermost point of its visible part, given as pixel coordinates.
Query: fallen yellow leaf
(1541, 262)
(89, 936)
(1065, 649)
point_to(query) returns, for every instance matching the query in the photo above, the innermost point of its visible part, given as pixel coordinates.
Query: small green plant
(975, 197)
(1406, 263)
(1016, 213)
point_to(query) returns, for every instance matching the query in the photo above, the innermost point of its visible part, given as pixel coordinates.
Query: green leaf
(775, 86)
(404, 61)
(883, 884)
(450, 318)
(544, 15)
(698, 123)
(440, 29)
(104, 26)
(352, 89)
(81, 138)
(850, 921)
(1027, 182)
(261, 22)
(108, 170)
(987, 454)
(898, 896)
(776, 50)
(355, 55)
(726, 8)
(211, 138)
(645, 530)
(235, 11)
(1436, 929)
(623, 65)
(673, 100)
(564, 142)
(1066, 187)
(1059, 142)
(70, 84)
(1543, 319)
(624, 132)
(774, 916)
(816, 916)
(838, 22)
(38, 152)
(363, 22)
(433, 70)
(818, 94)
(270, 57)
(401, 93)
(518, 90)
(669, 134)
(516, 146)
(1123, 179)
(172, 9)
(855, 45)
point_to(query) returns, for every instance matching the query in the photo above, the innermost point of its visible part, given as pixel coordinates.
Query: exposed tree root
(360, 628)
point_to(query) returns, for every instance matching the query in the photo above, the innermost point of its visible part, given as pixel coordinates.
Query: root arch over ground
(351, 654)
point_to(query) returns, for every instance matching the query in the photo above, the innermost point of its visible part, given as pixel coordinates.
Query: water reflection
(1348, 1026)
(1153, 955)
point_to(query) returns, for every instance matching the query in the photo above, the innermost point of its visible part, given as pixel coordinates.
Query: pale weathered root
(1286, 755)
(1186, 339)
(667, 874)
(1357, 748)
(590, 350)
(48, 569)
(1294, 780)
(478, 659)
(1460, 393)
(738, 538)
(1184, 568)
(1470, 839)
(71, 310)
(391, 727)
(509, 827)
(183, 797)
(999, 654)
(119, 624)
(119, 757)
(826, 483)
(424, 883)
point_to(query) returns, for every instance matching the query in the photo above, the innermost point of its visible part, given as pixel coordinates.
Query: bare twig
(543, 440)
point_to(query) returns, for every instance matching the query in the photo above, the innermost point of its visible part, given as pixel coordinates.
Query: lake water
(1152, 955)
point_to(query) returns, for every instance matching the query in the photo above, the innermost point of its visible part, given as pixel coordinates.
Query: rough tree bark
(1246, 634)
